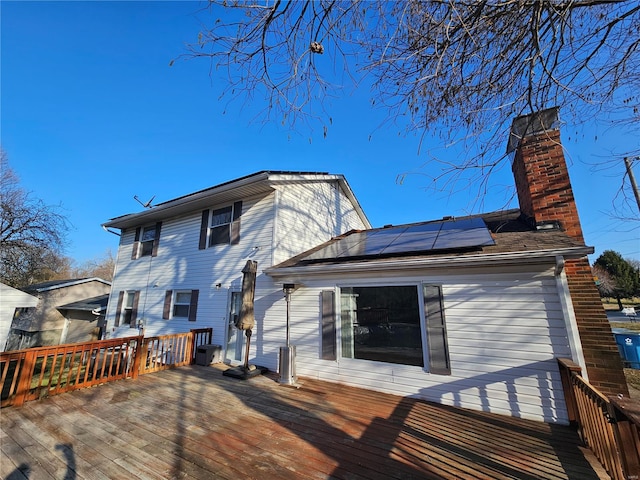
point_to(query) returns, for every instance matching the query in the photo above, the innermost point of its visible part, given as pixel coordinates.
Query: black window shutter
(156, 239)
(328, 326)
(193, 306)
(116, 322)
(235, 223)
(134, 310)
(436, 330)
(204, 225)
(166, 310)
(136, 244)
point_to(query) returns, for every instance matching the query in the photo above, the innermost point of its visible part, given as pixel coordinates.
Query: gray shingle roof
(509, 229)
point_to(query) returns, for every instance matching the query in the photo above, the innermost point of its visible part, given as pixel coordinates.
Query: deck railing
(39, 372)
(608, 426)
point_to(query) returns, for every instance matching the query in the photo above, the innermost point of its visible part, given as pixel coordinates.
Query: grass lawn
(612, 304)
(633, 380)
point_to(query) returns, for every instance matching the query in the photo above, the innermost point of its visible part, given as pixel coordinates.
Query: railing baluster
(95, 362)
(605, 428)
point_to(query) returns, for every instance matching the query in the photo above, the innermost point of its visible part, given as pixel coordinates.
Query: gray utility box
(208, 354)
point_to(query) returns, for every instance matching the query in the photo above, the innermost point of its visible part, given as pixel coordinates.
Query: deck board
(194, 423)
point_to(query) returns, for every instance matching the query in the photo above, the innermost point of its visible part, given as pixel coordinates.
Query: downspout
(110, 307)
(569, 317)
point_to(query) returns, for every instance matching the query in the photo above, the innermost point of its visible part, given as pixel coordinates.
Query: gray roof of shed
(55, 284)
(87, 304)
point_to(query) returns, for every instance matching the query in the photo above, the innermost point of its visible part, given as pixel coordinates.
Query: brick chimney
(541, 174)
(547, 202)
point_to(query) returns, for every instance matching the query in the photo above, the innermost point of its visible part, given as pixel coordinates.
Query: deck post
(26, 374)
(626, 431)
(140, 353)
(567, 368)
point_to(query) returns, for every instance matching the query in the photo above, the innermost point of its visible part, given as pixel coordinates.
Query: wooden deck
(194, 423)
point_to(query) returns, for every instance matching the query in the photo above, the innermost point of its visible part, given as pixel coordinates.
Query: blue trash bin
(628, 343)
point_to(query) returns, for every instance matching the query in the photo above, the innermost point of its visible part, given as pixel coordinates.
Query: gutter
(156, 212)
(534, 257)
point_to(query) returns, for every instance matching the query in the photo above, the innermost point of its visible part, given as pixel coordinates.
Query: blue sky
(92, 114)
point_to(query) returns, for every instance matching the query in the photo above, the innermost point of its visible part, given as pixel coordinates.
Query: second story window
(146, 241)
(220, 226)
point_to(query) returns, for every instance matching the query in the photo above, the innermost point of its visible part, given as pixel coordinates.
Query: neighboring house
(466, 311)
(52, 321)
(13, 302)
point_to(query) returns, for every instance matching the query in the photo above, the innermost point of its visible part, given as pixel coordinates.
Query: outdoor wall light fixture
(218, 286)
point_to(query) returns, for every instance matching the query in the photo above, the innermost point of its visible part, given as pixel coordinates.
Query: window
(387, 324)
(180, 304)
(220, 226)
(127, 309)
(23, 312)
(381, 324)
(146, 241)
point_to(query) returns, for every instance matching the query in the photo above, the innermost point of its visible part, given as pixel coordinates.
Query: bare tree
(462, 69)
(102, 267)
(32, 234)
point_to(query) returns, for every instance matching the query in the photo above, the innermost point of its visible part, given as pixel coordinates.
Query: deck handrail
(608, 426)
(39, 372)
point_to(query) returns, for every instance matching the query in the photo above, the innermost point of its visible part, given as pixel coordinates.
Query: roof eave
(352, 198)
(72, 283)
(529, 257)
(176, 206)
(262, 182)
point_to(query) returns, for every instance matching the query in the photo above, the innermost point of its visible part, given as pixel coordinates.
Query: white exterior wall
(10, 299)
(179, 265)
(504, 329)
(293, 219)
(309, 214)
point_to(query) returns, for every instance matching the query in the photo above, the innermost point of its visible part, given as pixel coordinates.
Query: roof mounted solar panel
(469, 232)
(414, 238)
(406, 239)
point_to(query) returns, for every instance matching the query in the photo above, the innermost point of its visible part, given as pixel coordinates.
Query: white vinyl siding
(504, 333)
(310, 214)
(181, 266)
(12, 299)
(307, 214)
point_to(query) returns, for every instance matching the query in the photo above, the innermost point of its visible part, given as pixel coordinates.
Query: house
(471, 311)
(13, 302)
(53, 321)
